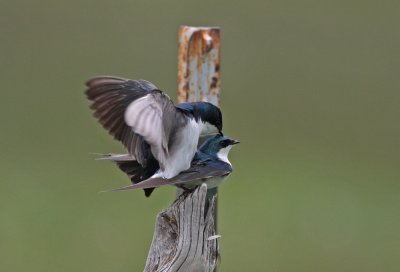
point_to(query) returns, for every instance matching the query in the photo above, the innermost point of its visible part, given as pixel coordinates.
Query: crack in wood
(182, 244)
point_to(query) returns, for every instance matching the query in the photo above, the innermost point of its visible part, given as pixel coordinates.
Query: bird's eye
(225, 143)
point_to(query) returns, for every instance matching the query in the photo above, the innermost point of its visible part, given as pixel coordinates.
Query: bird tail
(134, 170)
(115, 157)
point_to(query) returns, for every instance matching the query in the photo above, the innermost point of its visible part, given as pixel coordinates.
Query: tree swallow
(159, 136)
(210, 165)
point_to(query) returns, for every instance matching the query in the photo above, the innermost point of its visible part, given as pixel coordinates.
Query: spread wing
(198, 171)
(137, 114)
(155, 117)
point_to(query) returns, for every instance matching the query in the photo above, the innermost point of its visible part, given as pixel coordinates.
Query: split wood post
(185, 233)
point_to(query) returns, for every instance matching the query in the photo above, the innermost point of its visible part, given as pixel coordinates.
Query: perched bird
(159, 136)
(210, 165)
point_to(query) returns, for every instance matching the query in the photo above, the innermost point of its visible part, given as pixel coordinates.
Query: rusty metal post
(199, 64)
(199, 77)
(185, 234)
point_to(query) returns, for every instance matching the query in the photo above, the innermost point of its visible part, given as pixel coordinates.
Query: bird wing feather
(136, 113)
(196, 172)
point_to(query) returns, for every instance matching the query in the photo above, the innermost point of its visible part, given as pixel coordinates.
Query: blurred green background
(310, 88)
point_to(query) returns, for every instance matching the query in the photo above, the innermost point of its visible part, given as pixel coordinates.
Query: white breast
(208, 129)
(223, 154)
(181, 157)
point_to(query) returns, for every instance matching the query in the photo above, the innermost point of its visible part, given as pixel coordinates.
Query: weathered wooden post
(185, 233)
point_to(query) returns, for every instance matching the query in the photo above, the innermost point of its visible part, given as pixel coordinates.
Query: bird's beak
(235, 142)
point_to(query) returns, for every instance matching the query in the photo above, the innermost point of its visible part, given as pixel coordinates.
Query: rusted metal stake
(199, 64)
(185, 234)
(199, 77)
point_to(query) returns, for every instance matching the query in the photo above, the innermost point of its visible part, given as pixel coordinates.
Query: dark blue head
(213, 145)
(211, 114)
(205, 111)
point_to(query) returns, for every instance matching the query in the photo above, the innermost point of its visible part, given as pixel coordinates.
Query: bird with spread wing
(161, 138)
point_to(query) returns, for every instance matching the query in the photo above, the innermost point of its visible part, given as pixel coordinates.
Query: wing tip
(120, 189)
(99, 80)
